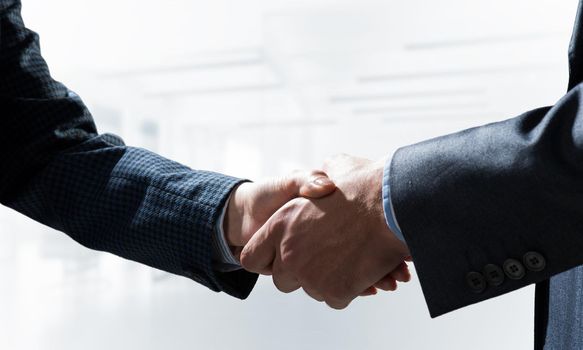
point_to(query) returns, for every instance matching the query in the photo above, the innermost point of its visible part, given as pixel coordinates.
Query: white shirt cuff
(388, 205)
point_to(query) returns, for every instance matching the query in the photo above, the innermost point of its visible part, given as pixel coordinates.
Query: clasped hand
(324, 232)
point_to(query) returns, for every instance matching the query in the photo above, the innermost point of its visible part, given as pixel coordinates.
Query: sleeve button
(514, 269)
(494, 274)
(534, 261)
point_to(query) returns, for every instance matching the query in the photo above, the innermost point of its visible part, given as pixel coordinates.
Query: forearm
(107, 196)
(134, 204)
(489, 194)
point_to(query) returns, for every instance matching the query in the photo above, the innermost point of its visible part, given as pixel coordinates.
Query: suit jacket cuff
(223, 258)
(237, 283)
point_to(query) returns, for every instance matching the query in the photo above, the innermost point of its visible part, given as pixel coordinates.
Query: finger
(369, 291)
(313, 294)
(337, 304)
(401, 273)
(284, 280)
(387, 283)
(258, 254)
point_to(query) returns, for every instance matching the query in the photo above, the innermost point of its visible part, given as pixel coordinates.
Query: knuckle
(245, 259)
(275, 224)
(292, 211)
(283, 284)
(288, 256)
(314, 295)
(283, 279)
(336, 304)
(291, 289)
(282, 287)
(287, 210)
(339, 296)
(278, 285)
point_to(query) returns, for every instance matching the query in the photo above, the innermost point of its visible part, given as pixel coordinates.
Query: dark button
(514, 269)
(476, 282)
(494, 274)
(534, 261)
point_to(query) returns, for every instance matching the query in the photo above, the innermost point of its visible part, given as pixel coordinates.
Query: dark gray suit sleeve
(489, 194)
(56, 169)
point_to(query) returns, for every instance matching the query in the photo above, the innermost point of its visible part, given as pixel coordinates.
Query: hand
(336, 247)
(251, 204)
(342, 164)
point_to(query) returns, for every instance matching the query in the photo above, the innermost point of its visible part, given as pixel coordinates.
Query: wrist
(235, 216)
(375, 182)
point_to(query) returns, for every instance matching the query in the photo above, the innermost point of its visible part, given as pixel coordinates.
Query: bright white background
(257, 88)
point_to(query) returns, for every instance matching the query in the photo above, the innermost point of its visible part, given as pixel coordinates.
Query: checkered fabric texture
(56, 169)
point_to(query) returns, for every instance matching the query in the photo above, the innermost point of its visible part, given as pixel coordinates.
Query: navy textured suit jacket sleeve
(469, 202)
(56, 169)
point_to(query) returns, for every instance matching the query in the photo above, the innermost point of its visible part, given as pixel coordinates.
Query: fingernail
(323, 181)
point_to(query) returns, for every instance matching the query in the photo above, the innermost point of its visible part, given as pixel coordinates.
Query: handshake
(323, 231)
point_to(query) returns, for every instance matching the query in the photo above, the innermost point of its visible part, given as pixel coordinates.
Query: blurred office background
(257, 88)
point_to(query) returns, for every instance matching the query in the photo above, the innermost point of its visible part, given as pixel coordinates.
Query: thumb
(258, 254)
(269, 196)
(313, 184)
